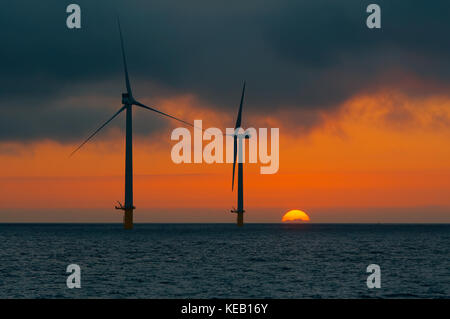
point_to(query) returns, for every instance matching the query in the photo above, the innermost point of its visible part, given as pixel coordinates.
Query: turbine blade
(239, 117)
(98, 130)
(238, 124)
(234, 161)
(127, 80)
(165, 114)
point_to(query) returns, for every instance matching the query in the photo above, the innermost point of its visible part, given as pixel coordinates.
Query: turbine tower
(128, 102)
(238, 137)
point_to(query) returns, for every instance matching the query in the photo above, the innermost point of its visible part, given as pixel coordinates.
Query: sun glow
(295, 215)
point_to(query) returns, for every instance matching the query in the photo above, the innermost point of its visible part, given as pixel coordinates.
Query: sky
(363, 114)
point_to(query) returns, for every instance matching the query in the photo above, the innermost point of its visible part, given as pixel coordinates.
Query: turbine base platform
(128, 219)
(127, 216)
(240, 217)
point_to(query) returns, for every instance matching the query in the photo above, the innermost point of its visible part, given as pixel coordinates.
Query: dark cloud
(294, 54)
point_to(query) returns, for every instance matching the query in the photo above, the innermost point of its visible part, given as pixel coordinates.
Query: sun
(295, 215)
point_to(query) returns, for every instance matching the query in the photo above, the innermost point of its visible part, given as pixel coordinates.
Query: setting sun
(294, 215)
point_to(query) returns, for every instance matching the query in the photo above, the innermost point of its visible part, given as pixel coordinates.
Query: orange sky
(382, 157)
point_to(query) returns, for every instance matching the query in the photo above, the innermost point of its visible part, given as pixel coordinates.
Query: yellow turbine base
(128, 219)
(240, 219)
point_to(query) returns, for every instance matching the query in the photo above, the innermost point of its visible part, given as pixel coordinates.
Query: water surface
(223, 261)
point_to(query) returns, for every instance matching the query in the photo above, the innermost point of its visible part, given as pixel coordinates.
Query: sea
(224, 261)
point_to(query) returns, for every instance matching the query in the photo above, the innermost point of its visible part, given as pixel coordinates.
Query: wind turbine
(128, 102)
(239, 136)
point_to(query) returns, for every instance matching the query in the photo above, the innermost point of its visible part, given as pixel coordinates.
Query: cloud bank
(296, 56)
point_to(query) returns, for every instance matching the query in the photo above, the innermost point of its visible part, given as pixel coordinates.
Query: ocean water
(223, 261)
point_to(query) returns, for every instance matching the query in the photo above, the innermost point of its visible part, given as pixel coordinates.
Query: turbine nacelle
(127, 99)
(245, 135)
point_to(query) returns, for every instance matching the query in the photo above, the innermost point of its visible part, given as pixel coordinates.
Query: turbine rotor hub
(127, 99)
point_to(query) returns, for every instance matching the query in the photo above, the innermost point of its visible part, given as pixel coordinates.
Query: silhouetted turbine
(240, 202)
(128, 101)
